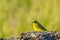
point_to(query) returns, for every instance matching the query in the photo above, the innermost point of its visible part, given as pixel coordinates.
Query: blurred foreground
(37, 36)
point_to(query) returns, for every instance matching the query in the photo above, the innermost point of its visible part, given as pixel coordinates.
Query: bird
(38, 27)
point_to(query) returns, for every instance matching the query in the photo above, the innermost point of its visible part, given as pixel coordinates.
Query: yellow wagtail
(38, 27)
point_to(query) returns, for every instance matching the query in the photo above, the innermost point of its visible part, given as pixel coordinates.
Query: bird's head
(35, 21)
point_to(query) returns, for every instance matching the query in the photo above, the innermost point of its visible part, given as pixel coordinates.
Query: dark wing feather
(41, 26)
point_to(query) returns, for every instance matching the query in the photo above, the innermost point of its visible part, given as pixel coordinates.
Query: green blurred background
(16, 16)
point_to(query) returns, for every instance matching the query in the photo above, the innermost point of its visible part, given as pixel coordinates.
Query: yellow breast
(35, 26)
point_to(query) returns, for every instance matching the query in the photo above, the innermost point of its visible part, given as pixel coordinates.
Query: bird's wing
(42, 27)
